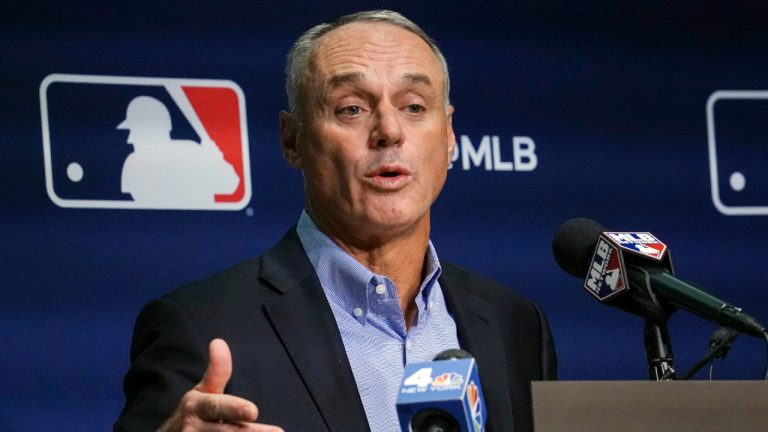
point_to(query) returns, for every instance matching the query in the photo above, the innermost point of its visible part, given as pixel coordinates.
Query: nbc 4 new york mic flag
(144, 143)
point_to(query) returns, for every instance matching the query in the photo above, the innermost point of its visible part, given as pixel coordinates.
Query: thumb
(219, 368)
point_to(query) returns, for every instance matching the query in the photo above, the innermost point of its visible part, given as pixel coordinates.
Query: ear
(451, 136)
(289, 139)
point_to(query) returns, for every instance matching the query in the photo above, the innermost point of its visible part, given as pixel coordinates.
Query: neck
(399, 257)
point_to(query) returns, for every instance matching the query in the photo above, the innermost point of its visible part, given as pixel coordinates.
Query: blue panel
(612, 95)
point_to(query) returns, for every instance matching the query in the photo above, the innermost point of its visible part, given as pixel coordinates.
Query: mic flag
(607, 273)
(442, 395)
(633, 271)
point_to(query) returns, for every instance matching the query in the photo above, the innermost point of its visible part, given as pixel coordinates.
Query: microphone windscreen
(452, 354)
(574, 244)
(722, 335)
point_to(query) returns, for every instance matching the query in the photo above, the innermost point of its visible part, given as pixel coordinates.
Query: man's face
(377, 136)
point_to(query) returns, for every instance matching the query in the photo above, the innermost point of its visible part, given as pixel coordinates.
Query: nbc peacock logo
(475, 405)
(448, 379)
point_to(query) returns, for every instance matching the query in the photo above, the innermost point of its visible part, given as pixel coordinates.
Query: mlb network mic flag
(607, 275)
(452, 386)
(144, 143)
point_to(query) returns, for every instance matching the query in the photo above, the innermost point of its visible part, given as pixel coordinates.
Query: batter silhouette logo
(144, 143)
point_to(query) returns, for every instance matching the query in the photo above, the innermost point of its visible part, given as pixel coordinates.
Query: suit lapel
(479, 334)
(305, 324)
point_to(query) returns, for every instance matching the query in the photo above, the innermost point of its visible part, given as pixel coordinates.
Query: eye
(352, 110)
(414, 109)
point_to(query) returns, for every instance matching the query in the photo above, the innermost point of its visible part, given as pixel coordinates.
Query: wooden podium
(648, 406)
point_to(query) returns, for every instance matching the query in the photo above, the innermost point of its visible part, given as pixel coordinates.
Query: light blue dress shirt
(371, 322)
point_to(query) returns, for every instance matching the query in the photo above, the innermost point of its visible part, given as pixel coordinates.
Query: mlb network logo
(606, 277)
(144, 143)
(643, 243)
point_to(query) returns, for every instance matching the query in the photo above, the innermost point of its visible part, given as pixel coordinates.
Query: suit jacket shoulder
(287, 353)
(509, 337)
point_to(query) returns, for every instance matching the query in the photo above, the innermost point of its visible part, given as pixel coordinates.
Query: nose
(387, 129)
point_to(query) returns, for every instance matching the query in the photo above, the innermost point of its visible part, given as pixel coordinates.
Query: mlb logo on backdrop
(144, 143)
(738, 151)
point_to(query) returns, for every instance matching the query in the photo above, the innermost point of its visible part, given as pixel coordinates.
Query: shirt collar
(347, 282)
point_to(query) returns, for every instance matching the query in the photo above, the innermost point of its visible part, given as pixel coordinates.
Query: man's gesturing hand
(207, 408)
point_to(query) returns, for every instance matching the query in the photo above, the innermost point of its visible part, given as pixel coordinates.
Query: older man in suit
(318, 329)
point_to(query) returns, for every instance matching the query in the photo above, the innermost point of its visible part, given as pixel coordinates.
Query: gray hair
(298, 61)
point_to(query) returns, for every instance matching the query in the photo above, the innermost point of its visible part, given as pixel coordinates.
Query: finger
(264, 428)
(258, 427)
(226, 408)
(219, 368)
(239, 427)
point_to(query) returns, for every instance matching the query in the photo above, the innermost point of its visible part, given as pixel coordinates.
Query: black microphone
(719, 344)
(575, 247)
(721, 341)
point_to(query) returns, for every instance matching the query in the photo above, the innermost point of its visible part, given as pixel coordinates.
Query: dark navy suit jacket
(288, 356)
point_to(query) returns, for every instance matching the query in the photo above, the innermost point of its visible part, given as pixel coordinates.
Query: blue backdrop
(607, 102)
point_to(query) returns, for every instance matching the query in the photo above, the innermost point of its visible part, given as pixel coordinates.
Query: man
(321, 326)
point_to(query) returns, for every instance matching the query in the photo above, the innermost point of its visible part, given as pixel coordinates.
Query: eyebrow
(416, 78)
(339, 80)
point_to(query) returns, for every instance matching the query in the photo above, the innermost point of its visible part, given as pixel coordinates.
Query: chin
(395, 219)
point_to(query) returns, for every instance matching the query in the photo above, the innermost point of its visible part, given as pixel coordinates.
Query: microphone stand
(642, 301)
(658, 351)
(719, 344)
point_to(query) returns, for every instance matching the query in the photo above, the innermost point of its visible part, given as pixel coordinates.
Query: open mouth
(389, 176)
(389, 171)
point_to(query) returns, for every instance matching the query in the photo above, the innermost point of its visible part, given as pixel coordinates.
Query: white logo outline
(712, 148)
(140, 81)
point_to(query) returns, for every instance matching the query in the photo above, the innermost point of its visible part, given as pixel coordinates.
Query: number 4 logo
(420, 378)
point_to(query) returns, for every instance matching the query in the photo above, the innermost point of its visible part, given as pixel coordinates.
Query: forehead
(358, 46)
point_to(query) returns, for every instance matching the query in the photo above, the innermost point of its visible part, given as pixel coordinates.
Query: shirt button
(407, 344)
(432, 306)
(358, 312)
(381, 289)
